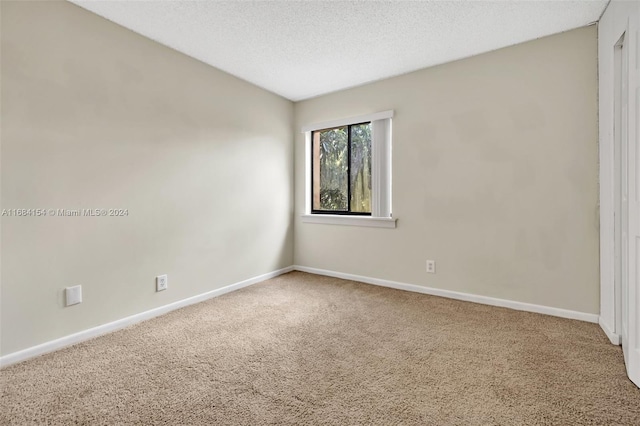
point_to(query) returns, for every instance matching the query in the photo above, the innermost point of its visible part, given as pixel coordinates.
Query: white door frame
(631, 336)
(620, 18)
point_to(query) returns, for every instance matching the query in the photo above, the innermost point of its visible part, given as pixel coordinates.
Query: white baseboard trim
(485, 300)
(613, 337)
(90, 333)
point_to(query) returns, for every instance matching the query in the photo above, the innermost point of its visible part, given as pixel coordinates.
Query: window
(341, 170)
(348, 172)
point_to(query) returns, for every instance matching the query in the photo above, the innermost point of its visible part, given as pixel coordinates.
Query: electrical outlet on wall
(162, 282)
(431, 266)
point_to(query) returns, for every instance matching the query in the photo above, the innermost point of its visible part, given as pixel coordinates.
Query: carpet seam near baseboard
(614, 338)
(449, 294)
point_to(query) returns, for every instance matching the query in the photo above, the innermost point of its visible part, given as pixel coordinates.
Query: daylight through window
(348, 171)
(341, 170)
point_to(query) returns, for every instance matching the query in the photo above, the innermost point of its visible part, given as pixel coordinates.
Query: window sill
(329, 219)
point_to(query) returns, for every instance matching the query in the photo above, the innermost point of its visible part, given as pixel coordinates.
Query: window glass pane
(330, 178)
(361, 168)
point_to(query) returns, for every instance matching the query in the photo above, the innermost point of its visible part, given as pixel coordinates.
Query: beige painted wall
(495, 176)
(95, 116)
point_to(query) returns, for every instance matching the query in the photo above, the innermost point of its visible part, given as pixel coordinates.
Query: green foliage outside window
(337, 191)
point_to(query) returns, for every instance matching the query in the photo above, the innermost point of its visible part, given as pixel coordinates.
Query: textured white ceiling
(301, 49)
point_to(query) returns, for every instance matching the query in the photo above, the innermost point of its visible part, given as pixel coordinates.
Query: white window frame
(380, 173)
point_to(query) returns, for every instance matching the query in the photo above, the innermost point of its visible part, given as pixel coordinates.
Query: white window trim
(336, 219)
(380, 176)
(347, 121)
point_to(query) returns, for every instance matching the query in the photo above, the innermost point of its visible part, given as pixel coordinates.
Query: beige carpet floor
(305, 349)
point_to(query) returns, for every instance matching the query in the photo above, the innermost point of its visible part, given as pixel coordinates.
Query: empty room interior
(320, 212)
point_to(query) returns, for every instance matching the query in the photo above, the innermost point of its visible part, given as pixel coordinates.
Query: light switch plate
(73, 295)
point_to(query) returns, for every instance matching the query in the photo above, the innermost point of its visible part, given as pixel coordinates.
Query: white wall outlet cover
(431, 266)
(73, 295)
(162, 282)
